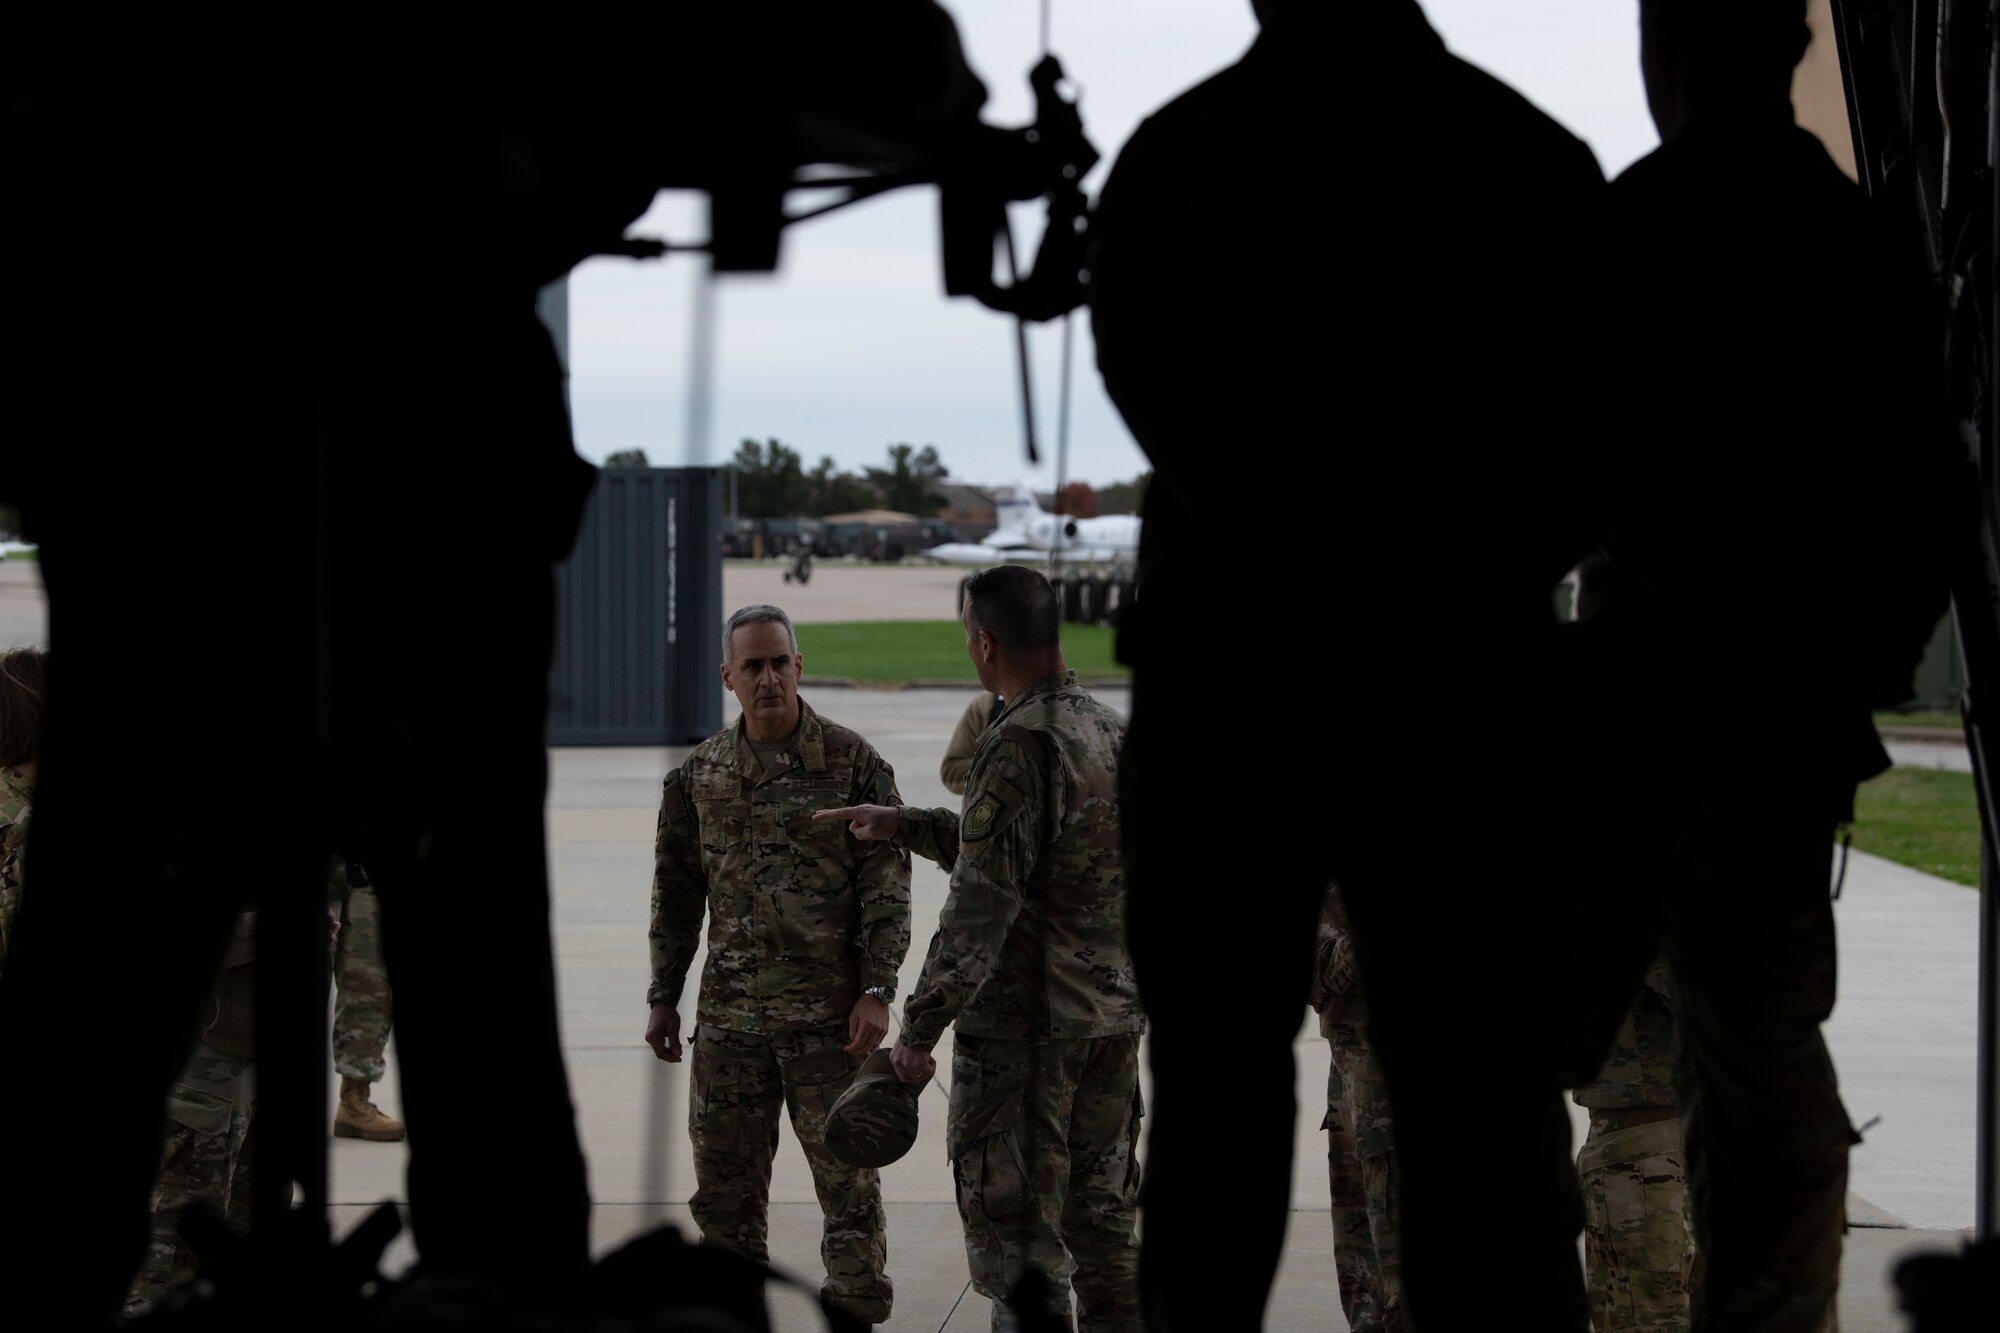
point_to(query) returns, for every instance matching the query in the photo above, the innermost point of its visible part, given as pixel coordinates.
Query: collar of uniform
(1050, 684)
(809, 744)
(15, 786)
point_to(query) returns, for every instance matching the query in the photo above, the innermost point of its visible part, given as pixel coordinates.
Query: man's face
(763, 674)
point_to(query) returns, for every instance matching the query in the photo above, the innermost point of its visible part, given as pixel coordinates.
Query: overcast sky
(852, 346)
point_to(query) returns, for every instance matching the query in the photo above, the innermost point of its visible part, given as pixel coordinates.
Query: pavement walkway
(1902, 1034)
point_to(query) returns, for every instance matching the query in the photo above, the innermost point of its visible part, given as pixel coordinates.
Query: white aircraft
(1027, 533)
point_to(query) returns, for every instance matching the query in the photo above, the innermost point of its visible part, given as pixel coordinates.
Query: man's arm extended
(1001, 836)
(928, 832)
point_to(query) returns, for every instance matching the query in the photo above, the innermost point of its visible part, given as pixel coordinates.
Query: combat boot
(358, 1118)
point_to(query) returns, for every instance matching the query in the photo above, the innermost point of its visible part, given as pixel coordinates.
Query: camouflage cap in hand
(874, 1122)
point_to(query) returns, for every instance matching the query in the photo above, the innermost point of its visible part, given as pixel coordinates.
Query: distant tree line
(771, 481)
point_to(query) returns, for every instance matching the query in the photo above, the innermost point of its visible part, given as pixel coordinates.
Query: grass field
(1924, 818)
(1947, 721)
(896, 652)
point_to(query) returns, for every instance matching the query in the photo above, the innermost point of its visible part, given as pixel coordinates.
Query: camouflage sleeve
(929, 833)
(1338, 974)
(881, 881)
(999, 836)
(680, 894)
(13, 839)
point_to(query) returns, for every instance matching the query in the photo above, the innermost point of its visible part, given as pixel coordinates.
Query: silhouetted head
(1013, 632)
(1306, 11)
(1716, 59)
(23, 687)
(761, 666)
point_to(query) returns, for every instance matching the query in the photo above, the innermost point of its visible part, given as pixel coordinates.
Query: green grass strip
(896, 652)
(1919, 718)
(1924, 818)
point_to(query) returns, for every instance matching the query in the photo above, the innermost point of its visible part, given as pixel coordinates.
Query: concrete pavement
(1903, 1036)
(1902, 1033)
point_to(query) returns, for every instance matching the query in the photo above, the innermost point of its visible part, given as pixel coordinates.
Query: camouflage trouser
(1359, 1170)
(1761, 1116)
(209, 1111)
(738, 1084)
(1043, 1138)
(361, 989)
(1638, 1249)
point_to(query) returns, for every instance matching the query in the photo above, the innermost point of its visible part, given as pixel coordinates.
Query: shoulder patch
(979, 819)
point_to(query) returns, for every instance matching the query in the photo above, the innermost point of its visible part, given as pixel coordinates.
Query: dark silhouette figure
(1778, 506)
(1364, 255)
(314, 367)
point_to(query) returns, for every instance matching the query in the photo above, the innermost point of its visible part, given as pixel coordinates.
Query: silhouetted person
(317, 364)
(1358, 256)
(1772, 505)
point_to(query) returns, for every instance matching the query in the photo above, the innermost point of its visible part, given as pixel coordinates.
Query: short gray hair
(757, 613)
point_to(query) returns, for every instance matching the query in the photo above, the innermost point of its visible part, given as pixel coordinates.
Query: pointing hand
(871, 823)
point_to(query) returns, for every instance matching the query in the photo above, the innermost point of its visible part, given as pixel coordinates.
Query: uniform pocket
(814, 1071)
(814, 1082)
(720, 821)
(715, 1089)
(829, 835)
(985, 1147)
(725, 1091)
(200, 1110)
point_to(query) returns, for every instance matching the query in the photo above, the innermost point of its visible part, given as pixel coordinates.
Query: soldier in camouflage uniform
(1359, 1155)
(23, 686)
(1029, 961)
(807, 928)
(1638, 1247)
(360, 1007)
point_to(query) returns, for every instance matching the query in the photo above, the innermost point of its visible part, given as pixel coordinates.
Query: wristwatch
(882, 993)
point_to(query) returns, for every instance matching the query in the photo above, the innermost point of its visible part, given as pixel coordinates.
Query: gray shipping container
(639, 613)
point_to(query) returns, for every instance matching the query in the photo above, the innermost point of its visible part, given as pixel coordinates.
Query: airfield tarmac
(1903, 1033)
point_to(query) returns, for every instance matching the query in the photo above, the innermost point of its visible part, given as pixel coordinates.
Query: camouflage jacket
(1031, 942)
(1336, 986)
(16, 796)
(801, 915)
